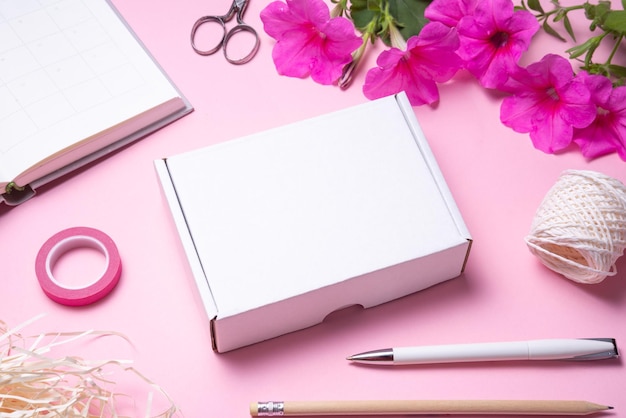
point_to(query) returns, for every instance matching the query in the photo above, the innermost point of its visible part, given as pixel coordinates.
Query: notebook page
(68, 70)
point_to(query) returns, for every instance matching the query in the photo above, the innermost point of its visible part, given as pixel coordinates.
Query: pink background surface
(497, 178)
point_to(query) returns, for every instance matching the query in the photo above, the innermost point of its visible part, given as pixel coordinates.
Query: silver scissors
(237, 8)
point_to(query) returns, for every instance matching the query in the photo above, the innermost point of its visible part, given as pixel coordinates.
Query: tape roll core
(69, 239)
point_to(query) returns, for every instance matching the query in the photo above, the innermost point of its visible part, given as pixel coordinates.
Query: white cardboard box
(284, 227)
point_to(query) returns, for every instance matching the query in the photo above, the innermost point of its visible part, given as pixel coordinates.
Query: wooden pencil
(425, 407)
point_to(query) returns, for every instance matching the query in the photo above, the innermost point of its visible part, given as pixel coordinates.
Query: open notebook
(75, 84)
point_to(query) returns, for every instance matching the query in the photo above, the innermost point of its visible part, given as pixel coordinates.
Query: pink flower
(429, 58)
(607, 133)
(309, 42)
(493, 40)
(449, 12)
(548, 102)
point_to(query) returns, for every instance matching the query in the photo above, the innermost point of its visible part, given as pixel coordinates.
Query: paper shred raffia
(579, 229)
(35, 384)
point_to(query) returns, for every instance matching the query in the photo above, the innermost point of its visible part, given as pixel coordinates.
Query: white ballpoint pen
(548, 349)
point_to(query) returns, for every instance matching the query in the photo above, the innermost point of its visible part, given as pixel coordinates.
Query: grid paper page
(68, 69)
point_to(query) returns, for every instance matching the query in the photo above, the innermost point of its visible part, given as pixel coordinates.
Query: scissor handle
(226, 37)
(194, 30)
(242, 27)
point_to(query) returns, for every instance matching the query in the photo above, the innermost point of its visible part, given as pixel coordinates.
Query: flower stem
(617, 78)
(340, 8)
(563, 10)
(618, 42)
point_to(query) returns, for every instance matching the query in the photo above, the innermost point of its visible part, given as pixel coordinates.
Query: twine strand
(579, 229)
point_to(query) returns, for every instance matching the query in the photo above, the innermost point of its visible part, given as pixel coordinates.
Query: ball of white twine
(579, 229)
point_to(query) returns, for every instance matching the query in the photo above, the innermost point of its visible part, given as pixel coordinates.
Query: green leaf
(598, 13)
(560, 15)
(375, 6)
(590, 10)
(615, 21)
(409, 15)
(616, 73)
(568, 27)
(361, 14)
(602, 10)
(579, 50)
(536, 6)
(617, 70)
(550, 31)
(375, 16)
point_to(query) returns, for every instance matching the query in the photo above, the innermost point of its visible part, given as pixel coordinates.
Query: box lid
(287, 211)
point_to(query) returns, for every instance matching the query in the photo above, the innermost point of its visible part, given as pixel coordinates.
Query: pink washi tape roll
(66, 240)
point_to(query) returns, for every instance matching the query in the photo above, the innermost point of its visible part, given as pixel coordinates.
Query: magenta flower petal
(594, 142)
(389, 77)
(550, 132)
(578, 102)
(430, 58)
(309, 42)
(607, 133)
(291, 56)
(434, 50)
(281, 19)
(517, 113)
(493, 40)
(449, 12)
(548, 102)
